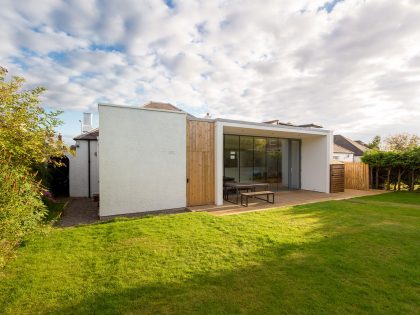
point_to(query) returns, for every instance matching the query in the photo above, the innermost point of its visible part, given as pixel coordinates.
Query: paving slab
(79, 211)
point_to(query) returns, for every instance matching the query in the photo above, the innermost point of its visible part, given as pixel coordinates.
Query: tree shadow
(338, 263)
(351, 267)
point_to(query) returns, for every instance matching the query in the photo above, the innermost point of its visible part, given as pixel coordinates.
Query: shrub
(21, 208)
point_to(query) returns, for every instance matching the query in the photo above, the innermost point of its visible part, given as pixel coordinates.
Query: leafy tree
(21, 208)
(413, 162)
(26, 130)
(399, 161)
(375, 143)
(402, 142)
(374, 160)
(27, 141)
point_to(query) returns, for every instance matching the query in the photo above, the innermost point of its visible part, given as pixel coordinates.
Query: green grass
(397, 197)
(337, 257)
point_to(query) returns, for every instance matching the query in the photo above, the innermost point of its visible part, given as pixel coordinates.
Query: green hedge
(21, 208)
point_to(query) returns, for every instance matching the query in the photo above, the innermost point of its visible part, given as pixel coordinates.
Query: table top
(245, 184)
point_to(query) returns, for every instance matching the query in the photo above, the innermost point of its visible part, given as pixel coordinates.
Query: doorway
(275, 161)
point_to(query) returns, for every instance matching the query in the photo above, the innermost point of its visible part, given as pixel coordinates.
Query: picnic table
(238, 187)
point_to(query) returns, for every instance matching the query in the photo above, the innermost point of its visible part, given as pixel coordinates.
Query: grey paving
(79, 211)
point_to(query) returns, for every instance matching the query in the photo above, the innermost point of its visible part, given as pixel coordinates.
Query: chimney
(87, 122)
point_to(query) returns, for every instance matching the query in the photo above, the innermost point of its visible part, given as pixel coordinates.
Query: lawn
(337, 257)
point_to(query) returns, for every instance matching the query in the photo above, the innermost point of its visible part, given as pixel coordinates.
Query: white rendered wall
(315, 163)
(94, 168)
(78, 170)
(357, 159)
(142, 160)
(343, 157)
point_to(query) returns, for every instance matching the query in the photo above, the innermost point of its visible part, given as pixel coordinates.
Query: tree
(27, 140)
(399, 161)
(27, 134)
(375, 159)
(402, 142)
(413, 162)
(375, 143)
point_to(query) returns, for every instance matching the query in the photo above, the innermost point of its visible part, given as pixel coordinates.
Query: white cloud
(355, 69)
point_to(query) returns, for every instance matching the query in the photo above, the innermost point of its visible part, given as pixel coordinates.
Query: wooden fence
(356, 176)
(337, 178)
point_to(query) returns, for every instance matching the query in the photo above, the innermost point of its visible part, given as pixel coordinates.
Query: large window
(246, 156)
(274, 161)
(260, 160)
(231, 158)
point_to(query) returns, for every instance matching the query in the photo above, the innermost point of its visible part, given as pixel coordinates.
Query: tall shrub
(21, 208)
(397, 162)
(27, 131)
(27, 142)
(413, 161)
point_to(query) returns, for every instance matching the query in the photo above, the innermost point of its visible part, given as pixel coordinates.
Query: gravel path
(79, 211)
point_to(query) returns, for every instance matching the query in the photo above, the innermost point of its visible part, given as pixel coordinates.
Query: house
(83, 166)
(342, 154)
(155, 158)
(356, 147)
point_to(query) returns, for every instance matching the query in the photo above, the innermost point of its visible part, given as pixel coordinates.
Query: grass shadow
(333, 257)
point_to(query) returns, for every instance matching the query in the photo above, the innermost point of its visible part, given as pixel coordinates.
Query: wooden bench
(256, 194)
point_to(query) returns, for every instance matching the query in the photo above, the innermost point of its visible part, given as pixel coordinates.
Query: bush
(401, 168)
(21, 208)
(54, 208)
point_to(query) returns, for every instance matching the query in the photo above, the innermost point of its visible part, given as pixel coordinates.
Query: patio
(281, 199)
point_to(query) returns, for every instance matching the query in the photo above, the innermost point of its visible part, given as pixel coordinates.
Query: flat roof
(231, 121)
(280, 127)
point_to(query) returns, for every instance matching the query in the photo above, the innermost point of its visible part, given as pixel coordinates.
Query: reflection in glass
(294, 164)
(273, 163)
(231, 158)
(246, 158)
(260, 170)
(270, 160)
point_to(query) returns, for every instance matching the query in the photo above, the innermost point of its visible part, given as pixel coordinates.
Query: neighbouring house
(84, 166)
(342, 154)
(158, 157)
(357, 147)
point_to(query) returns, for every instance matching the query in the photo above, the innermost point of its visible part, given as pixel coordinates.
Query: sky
(352, 65)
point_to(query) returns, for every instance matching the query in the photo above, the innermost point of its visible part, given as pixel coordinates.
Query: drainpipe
(88, 168)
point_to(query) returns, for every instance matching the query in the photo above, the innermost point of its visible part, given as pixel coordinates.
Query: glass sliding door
(274, 163)
(231, 158)
(246, 158)
(284, 164)
(294, 164)
(260, 168)
(269, 160)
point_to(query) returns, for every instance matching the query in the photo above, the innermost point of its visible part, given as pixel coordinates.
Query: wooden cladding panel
(200, 163)
(357, 176)
(337, 174)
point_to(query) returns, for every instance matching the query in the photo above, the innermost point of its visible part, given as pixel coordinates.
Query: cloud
(352, 66)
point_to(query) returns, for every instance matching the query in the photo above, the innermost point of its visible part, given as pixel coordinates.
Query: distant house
(356, 147)
(342, 154)
(84, 166)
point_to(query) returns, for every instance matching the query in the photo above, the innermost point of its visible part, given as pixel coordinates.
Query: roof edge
(141, 108)
(314, 130)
